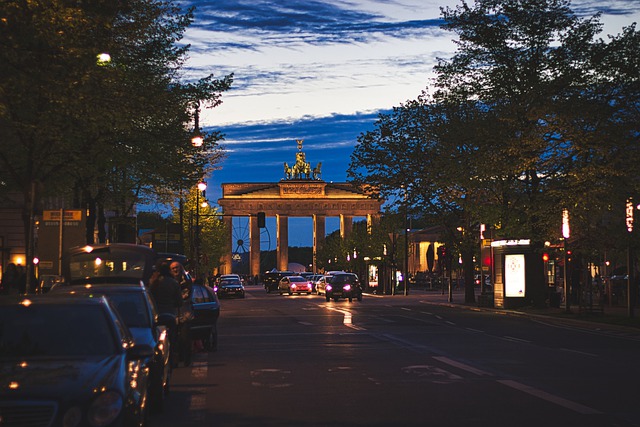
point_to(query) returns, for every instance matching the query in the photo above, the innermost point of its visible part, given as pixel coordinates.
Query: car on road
(321, 284)
(294, 285)
(137, 308)
(206, 311)
(271, 279)
(342, 285)
(229, 288)
(70, 361)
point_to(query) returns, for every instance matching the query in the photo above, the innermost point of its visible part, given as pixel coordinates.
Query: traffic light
(261, 220)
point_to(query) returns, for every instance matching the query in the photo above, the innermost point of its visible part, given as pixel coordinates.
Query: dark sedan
(70, 361)
(206, 310)
(343, 285)
(230, 288)
(135, 305)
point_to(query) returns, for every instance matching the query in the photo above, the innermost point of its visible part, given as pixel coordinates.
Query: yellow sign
(69, 215)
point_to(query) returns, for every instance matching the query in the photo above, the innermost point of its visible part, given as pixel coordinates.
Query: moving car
(230, 288)
(294, 285)
(206, 310)
(343, 285)
(271, 279)
(70, 361)
(137, 309)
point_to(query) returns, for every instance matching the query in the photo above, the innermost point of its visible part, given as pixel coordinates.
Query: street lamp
(566, 231)
(202, 186)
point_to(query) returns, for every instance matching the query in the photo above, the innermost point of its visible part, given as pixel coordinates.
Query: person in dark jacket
(168, 297)
(165, 290)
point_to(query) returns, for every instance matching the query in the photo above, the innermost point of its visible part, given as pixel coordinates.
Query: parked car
(206, 310)
(109, 263)
(136, 306)
(70, 361)
(230, 288)
(343, 285)
(271, 279)
(294, 285)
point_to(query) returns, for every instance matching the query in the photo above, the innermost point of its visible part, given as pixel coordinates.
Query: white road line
(584, 353)
(462, 366)
(474, 330)
(508, 338)
(576, 407)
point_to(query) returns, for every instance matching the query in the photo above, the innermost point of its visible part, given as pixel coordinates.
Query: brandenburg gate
(301, 193)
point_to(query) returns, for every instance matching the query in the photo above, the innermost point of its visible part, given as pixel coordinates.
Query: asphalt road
(402, 361)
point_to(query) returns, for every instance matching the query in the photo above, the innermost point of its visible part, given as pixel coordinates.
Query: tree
(100, 132)
(504, 138)
(213, 243)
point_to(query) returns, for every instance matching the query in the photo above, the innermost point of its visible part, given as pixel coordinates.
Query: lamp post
(630, 267)
(566, 232)
(201, 187)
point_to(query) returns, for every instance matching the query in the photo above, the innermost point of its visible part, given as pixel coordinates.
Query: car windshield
(55, 331)
(298, 279)
(341, 279)
(229, 282)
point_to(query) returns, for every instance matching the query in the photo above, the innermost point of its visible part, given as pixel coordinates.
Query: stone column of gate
(254, 246)
(346, 225)
(225, 268)
(282, 242)
(319, 232)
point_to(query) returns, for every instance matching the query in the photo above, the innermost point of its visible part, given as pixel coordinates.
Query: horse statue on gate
(317, 171)
(301, 170)
(288, 171)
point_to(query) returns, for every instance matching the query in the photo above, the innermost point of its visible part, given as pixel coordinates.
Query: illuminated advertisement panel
(514, 275)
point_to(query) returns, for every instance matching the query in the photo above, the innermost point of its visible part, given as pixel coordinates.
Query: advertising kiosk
(518, 274)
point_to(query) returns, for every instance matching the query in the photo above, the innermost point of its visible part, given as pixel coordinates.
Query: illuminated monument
(301, 193)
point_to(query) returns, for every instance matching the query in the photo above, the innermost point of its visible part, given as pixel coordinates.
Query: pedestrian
(165, 289)
(185, 312)
(166, 293)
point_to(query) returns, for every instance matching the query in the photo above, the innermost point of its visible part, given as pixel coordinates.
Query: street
(402, 361)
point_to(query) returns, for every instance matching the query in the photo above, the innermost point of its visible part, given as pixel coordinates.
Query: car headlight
(347, 288)
(328, 288)
(105, 409)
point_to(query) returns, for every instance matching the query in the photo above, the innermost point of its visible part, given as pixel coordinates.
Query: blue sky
(321, 71)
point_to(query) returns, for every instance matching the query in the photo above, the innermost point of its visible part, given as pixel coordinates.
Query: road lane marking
(462, 366)
(508, 338)
(576, 407)
(584, 353)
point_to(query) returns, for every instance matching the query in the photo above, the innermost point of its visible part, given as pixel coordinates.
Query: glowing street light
(202, 186)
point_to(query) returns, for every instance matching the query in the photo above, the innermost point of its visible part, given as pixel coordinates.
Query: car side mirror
(140, 351)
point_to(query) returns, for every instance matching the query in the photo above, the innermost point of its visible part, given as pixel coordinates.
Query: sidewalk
(612, 318)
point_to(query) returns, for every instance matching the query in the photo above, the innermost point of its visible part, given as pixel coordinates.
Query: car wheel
(359, 297)
(350, 299)
(327, 297)
(290, 293)
(268, 289)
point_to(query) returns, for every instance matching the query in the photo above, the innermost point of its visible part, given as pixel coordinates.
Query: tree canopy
(532, 114)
